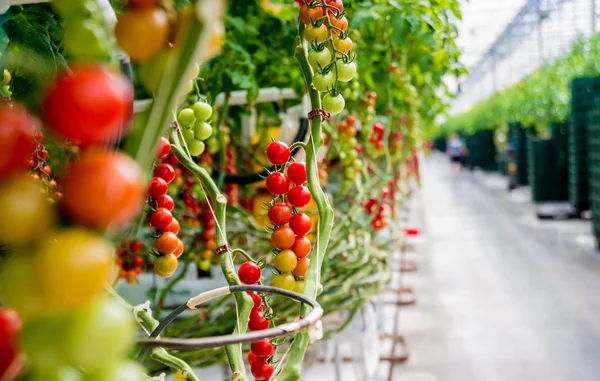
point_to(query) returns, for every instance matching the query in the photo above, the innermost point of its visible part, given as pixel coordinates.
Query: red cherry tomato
(10, 326)
(337, 4)
(262, 349)
(17, 139)
(179, 249)
(164, 148)
(297, 173)
(89, 104)
(161, 219)
(255, 298)
(301, 247)
(280, 214)
(262, 370)
(278, 153)
(165, 171)
(277, 183)
(103, 189)
(165, 201)
(300, 224)
(173, 226)
(257, 321)
(251, 358)
(135, 246)
(157, 187)
(299, 196)
(351, 120)
(249, 273)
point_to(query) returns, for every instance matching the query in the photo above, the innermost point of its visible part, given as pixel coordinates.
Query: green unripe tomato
(358, 164)
(188, 135)
(84, 39)
(186, 117)
(202, 130)
(204, 265)
(196, 147)
(319, 58)
(349, 173)
(346, 71)
(202, 110)
(323, 82)
(333, 104)
(352, 142)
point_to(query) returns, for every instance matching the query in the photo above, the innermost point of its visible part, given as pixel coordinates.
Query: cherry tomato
(135, 246)
(17, 139)
(161, 219)
(285, 281)
(202, 111)
(179, 249)
(174, 226)
(296, 172)
(316, 34)
(104, 190)
(319, 58)
(10, 326)
(89, 104)
(165, 171)
(341, 23)
(262, 370)
(257, 321)
(344, 45)
(73, 266)
(302, 267)
(393, 67)
(339, 4)
(166, 265)
(141, 3)
(283, 238)
(333, 104)
(301, 247)
(164, 148)
(378, 128)
(165, 201)
(299, 287)
(142, 33)
(279, 214)
(251, 358)
(277, 183)
(167, 243)
(299, 196)
(308, 14)
(278, 153)
(101, 334)
(324, 81)
(346, 71)
(262, 349)
(300, 223)
(249, 273)
(157, 187)
(25, 213)
(256, 299)
(285, 261)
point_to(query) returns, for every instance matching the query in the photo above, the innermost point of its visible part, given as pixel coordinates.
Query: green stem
(219, 204)
(162, 356)
(292, 369)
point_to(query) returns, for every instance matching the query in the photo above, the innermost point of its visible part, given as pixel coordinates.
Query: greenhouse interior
(295, 190)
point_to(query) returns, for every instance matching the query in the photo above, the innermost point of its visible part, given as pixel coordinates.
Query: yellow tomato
(285, 281)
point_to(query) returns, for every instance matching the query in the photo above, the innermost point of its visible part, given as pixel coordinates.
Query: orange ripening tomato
(103, 190)
(142, 33)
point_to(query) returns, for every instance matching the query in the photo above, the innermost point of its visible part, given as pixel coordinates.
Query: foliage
(537, 100)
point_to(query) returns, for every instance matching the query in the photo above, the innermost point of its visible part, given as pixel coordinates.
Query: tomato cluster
(129, 261)
(379, 221)
(261, 352)
(350, 151)
(377, 136)
(168, 245)
(290, 227)
(326, 29)
(195, 128)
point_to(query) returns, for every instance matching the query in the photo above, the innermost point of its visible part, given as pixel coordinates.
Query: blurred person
(456, 150)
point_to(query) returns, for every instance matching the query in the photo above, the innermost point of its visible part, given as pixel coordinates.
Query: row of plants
(121, 171)
(539, 99)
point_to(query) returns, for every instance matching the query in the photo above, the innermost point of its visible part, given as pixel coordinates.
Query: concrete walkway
(496, 300)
